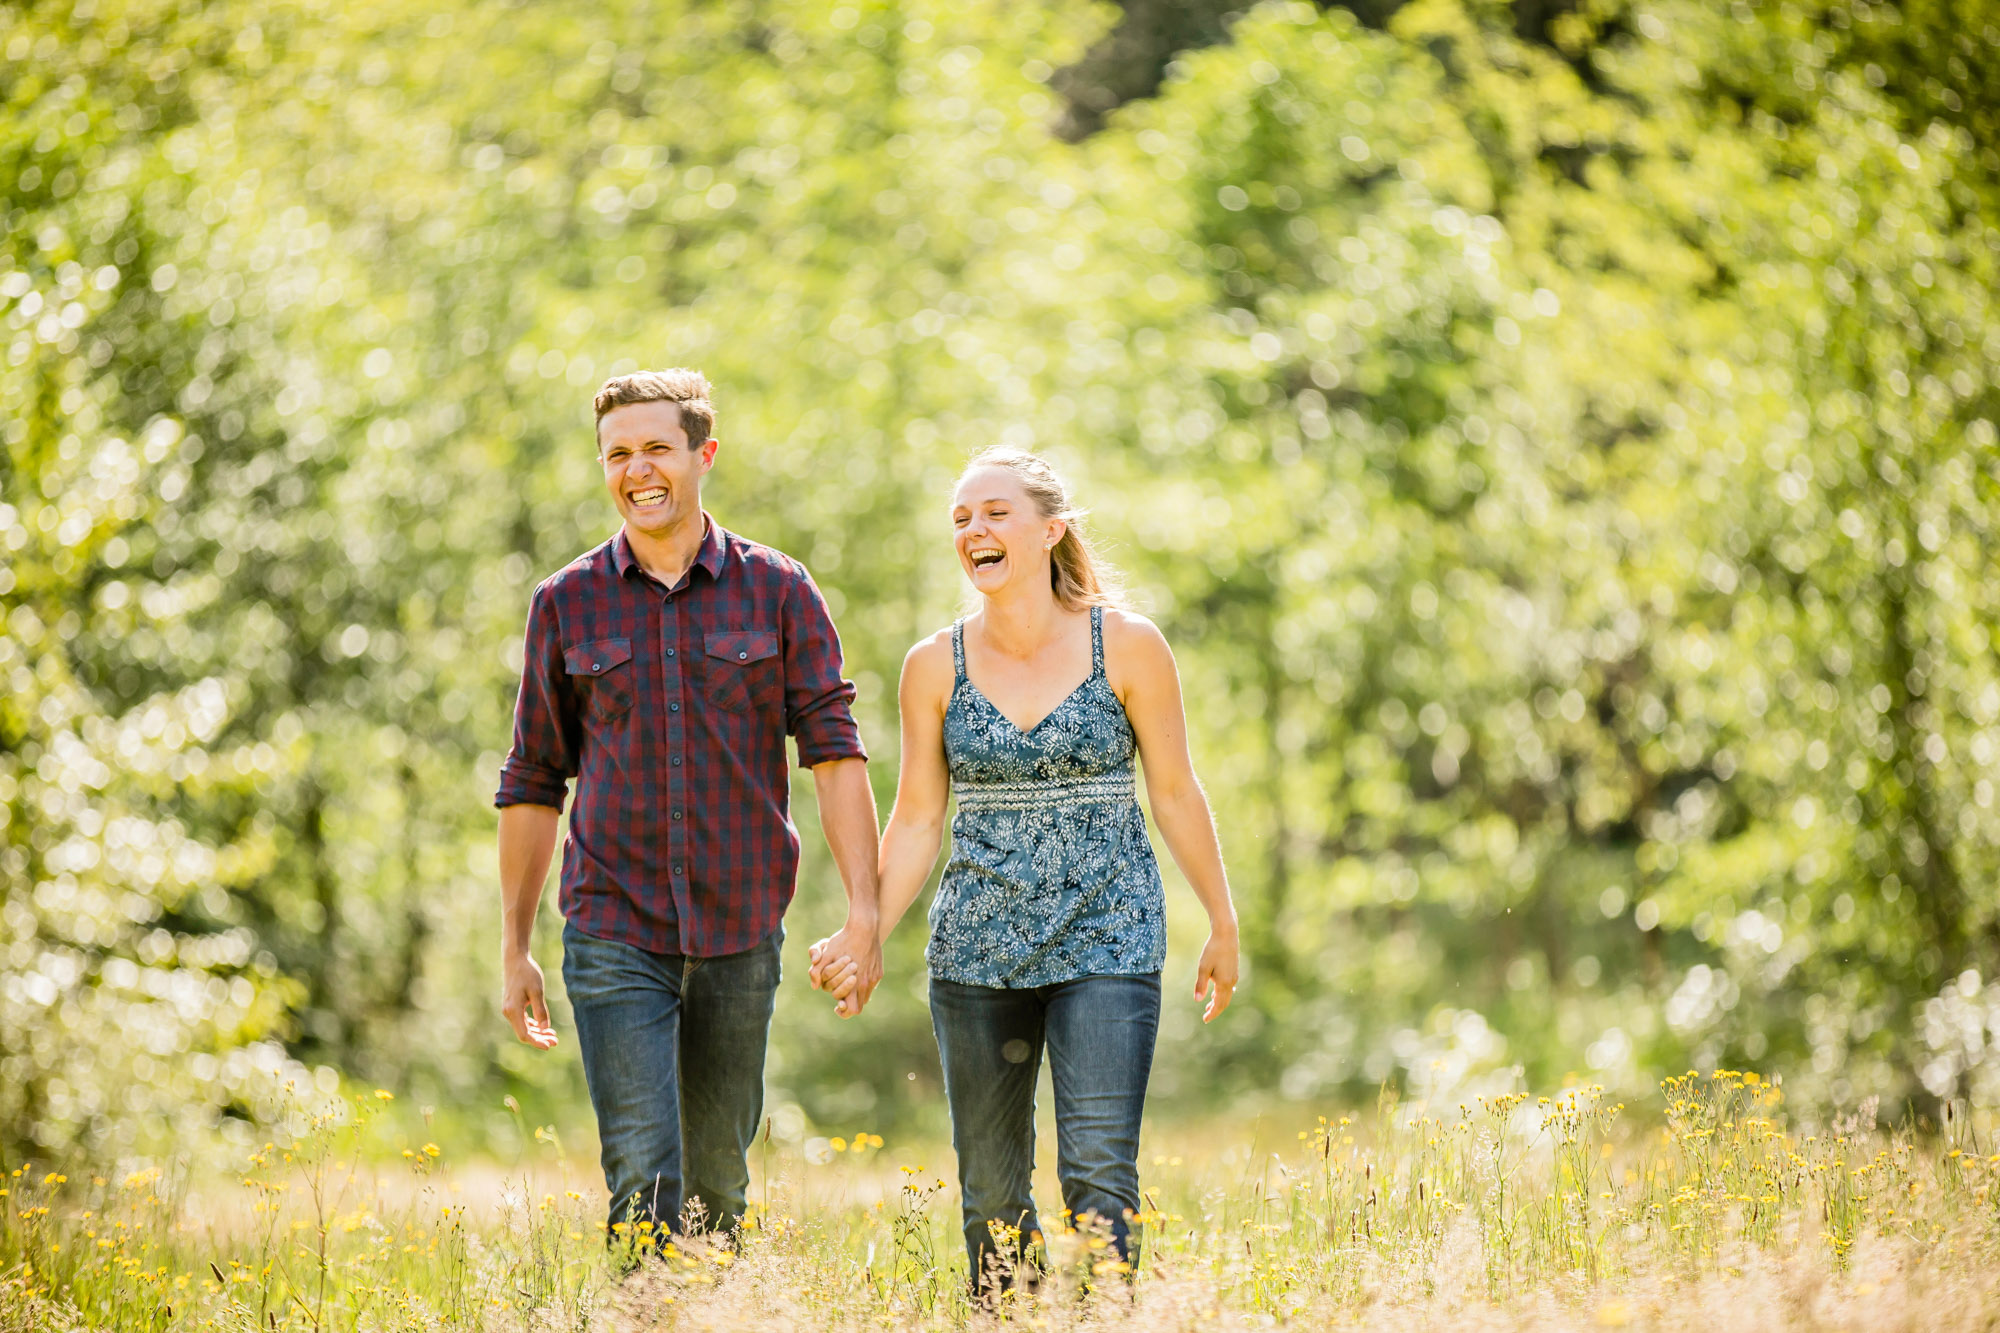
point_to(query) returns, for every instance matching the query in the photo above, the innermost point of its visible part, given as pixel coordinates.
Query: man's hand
(848, 966)
(527, 841)
(523, 1002)
(1215, 975)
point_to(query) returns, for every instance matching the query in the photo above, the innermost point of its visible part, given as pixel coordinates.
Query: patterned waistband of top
(1028, 795)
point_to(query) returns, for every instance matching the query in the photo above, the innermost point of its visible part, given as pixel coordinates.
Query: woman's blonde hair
(1076, 576)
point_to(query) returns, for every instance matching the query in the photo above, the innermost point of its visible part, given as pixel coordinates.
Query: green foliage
(1610, 536)
(1563, 466)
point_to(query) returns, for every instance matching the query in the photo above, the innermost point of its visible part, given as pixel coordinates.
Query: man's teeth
(647, 497)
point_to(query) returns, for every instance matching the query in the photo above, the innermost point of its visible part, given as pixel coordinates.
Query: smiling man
(663, 671)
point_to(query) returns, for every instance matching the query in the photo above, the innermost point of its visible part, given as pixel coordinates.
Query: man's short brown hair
(689, 388)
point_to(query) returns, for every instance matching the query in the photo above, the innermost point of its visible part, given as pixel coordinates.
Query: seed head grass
(1707, 1208)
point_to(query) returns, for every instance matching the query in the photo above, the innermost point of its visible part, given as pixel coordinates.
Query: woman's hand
(838, 976)
(1215, 975)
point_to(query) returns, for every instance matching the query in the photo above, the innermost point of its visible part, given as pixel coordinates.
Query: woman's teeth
(986, 556)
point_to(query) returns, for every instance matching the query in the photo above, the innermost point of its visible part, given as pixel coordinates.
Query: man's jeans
(673, 1050)
(1099, 1032)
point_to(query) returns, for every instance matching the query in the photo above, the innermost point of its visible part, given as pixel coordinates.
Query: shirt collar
(709, 555)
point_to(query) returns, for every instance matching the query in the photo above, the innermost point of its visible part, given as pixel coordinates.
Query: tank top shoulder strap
(958, 650)
(1096, 640)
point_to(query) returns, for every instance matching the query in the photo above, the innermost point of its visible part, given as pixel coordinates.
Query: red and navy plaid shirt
(670, 707)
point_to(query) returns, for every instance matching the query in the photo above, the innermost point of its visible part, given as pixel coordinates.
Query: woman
(1048, 928)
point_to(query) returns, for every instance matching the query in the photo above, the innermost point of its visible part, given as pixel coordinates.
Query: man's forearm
(527, 844)
(847, 817)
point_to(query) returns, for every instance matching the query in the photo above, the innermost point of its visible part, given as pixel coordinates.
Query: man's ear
(708, 448)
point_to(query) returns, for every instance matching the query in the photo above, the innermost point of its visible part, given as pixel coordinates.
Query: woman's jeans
(1099, 1032)
(673, 1050)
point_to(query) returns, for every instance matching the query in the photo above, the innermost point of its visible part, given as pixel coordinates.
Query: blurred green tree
(1558, 439)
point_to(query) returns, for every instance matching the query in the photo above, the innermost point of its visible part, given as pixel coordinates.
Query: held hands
(1215, 975)
(848, 966)
(523, 1002)
(835, 971)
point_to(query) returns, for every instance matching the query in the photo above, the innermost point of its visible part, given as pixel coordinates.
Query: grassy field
(1707, 1208)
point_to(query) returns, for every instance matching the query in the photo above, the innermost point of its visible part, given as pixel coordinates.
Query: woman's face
(1002, 540)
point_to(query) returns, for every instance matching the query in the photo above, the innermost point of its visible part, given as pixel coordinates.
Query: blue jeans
(673, 1051)
(1099, 1032)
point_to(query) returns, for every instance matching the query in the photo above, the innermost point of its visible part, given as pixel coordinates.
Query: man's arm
(819, 714)
(916, 823)
(847, 818)
(527, 842)
(533, 782)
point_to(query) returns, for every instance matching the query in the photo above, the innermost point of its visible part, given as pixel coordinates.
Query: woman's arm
(1149, 684)
(923, 786)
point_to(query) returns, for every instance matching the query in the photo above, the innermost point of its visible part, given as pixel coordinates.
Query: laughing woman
(1048, 930)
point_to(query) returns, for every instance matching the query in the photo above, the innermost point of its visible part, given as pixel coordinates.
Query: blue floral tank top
(1051, 876)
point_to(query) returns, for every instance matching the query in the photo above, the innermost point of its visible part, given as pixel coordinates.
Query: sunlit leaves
(1565, 475)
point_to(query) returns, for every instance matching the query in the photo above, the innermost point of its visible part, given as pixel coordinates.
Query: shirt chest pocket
(743, 669)
(602, 673)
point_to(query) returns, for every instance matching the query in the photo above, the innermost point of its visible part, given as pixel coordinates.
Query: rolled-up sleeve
(819, 704)
(547, 735)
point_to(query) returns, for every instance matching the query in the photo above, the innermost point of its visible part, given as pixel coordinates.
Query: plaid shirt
(670, 707)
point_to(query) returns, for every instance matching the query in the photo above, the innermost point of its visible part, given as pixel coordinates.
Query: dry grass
(1503, 1214)
(1890, 1289)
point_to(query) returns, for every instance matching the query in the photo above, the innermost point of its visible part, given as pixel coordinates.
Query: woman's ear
(1057, 527)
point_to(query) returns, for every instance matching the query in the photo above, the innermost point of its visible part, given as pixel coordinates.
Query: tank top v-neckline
(1096, 670)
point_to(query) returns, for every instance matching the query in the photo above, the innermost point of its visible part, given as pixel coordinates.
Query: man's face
(653, 476)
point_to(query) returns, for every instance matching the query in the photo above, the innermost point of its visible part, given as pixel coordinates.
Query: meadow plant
(1709, 1208)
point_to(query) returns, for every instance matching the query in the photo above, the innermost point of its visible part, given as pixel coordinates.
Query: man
(664, 670)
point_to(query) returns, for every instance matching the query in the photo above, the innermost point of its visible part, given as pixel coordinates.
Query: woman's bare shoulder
(1136, 656)
(1132, 632)
(928, 664)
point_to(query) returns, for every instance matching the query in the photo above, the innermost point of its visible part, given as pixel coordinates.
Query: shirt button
(741, 656)
(673, 708)
(677, 761)
(677, 814)
(678, 870)
(670, 652)
(597, 666)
